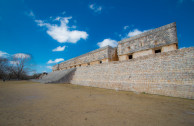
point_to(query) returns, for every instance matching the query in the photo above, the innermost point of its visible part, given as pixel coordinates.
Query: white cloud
(62, 32)
(41, 23)
(58, 18)
(106, 42)
(49, 67)
(55, 61)
(14, 62)
(59, 48)
(125, 27)
(136, 32)
(3, 54)
(95, 8)
(21, 55)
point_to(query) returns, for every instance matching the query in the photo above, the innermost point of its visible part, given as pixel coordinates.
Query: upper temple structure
(146, 63)
(159, 40)
(162, 39)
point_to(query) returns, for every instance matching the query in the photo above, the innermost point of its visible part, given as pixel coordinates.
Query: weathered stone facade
(168, 73)
(163, 38)
(150, 62)
(102, 55)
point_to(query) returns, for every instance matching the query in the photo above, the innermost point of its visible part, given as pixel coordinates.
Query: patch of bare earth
(24, 103)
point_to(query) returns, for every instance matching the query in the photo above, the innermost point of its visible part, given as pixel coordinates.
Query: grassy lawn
(25, 103)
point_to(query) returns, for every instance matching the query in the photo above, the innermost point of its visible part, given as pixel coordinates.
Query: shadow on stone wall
(62, 76)
(67, 77)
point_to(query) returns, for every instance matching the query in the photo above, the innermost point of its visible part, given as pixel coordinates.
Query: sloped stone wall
(170, 73)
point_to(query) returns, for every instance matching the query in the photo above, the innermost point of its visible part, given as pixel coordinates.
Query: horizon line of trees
(16, 67)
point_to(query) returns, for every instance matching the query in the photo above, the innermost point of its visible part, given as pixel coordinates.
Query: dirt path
(32, 104)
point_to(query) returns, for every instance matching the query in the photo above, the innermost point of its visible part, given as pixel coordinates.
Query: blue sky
(55, 30)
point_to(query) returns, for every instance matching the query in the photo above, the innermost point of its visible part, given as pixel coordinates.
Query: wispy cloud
(21, 55)
(49, 67)
(125, 27)
(59, 48)
(136, 32)
(62, 33)
(106, 42)
(95, 8)
(3, 54)
(17, 55)
(14, 62)
(55, 61)
(30, 14)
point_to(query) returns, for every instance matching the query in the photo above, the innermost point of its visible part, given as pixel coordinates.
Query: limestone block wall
(169, 48)
(143, 53)
(98, 56)
(153, 39)
(55, 67)
(169, 73)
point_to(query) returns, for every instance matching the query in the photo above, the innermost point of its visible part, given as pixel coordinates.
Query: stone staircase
(62, 76)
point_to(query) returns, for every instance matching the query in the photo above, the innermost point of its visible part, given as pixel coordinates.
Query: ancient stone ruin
(150, 63)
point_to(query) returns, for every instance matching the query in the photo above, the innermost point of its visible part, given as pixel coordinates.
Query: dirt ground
(25, 103)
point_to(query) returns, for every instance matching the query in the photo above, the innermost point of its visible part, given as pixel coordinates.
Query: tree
(20, 63)
(3, 68)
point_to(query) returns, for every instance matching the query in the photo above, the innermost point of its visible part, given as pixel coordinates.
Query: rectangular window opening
(158, 51)
(130, 57)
